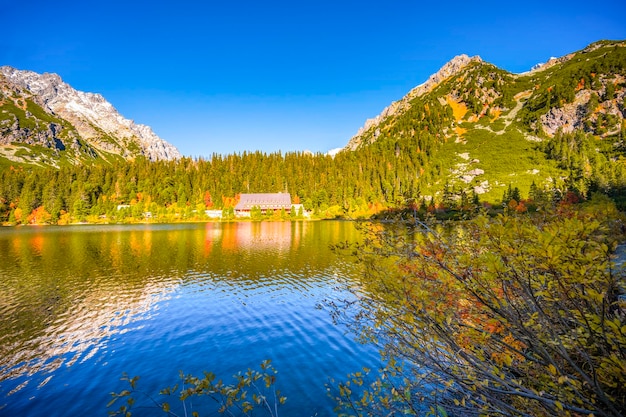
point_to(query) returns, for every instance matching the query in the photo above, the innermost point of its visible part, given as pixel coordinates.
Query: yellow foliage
(65, 218)
(459, 109)
(18, 214)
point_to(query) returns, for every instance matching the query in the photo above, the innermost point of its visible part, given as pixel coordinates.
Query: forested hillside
(479, 137)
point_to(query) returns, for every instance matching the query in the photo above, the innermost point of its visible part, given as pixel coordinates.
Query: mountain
(473, 127)
(46, 122)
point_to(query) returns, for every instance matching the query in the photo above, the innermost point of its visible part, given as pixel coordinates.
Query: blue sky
(226, 77)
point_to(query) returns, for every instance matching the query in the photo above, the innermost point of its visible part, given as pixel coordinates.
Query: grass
(506, 158)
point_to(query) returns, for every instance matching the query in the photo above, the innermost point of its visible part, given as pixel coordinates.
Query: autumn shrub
(512, 315)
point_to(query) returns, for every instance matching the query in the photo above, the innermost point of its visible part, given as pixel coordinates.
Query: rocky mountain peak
(451, 68)
(96, 121)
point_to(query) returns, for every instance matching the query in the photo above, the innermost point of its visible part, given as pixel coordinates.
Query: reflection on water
(275, 236)
(81, 305)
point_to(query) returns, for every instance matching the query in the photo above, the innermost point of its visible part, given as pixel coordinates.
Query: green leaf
(441, 411)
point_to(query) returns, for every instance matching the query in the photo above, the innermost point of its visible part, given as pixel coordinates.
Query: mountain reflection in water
(81, 305)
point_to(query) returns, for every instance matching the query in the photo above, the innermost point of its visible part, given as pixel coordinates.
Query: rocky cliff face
(451, 68)
(590, 110)
(70, 119)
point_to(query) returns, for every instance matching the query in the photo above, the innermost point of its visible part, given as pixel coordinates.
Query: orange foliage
(517, 344)
(512, 205)
(39, 216)
(375, 207)
(459, 130)
(581, 84)
(494, 327)
(459, 109)
(230, 201)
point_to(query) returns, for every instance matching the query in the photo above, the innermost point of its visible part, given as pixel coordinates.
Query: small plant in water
(250, 391)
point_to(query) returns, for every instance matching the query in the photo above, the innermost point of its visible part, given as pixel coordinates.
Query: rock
(482, 188)
(95, 119)
(569, 117)
(577, 115)
(469, 176)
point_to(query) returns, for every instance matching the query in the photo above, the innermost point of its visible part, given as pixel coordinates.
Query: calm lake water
(81, 305)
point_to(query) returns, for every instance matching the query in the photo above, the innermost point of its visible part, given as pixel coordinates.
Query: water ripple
(80, 306)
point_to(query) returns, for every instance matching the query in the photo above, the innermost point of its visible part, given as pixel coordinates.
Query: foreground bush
(513, 315)
(251, 391)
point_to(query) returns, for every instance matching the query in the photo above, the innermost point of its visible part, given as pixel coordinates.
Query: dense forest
(361, 182)
(357, 183)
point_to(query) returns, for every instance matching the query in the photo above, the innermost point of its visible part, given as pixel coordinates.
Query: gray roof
(274, 201)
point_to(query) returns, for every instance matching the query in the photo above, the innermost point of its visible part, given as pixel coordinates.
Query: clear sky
(228, 76)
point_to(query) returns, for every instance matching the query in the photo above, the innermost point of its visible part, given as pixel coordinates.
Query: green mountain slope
(482, 129)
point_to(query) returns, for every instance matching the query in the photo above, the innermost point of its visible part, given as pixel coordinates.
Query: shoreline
(166, 222)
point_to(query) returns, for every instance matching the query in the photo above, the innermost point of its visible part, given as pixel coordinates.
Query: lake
(81, 305)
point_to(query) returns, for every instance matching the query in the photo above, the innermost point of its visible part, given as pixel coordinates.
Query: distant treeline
(360, 181)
